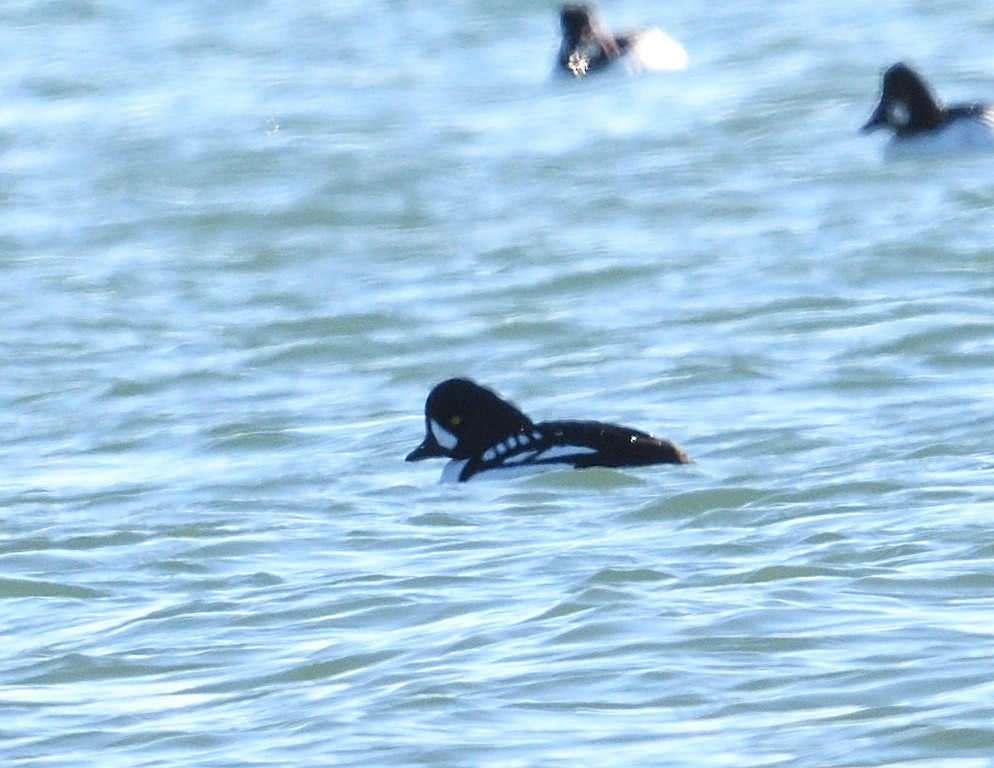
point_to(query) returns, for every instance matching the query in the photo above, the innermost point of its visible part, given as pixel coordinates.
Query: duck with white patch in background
(588, 46)
(921, 124)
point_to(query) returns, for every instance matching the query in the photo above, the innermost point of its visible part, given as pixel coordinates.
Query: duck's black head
(463, 419)
(907, 103)
(577, 22)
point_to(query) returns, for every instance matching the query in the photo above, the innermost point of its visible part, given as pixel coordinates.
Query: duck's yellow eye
(455, 420)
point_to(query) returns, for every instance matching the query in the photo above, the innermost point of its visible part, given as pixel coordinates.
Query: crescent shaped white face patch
(442, 436)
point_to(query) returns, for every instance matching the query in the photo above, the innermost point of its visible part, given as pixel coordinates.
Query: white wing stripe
(518, 458)
(563, 451)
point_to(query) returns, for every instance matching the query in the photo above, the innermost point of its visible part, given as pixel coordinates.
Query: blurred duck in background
(588, 46)
(922, 124)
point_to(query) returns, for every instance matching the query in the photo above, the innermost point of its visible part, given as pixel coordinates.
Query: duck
(920, 123)
(588, 46)
(481, 433)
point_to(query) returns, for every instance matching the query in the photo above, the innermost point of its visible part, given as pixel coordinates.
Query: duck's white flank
(653, 50)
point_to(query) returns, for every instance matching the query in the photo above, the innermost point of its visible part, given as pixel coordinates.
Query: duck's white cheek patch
(899, 114)
(442, 436)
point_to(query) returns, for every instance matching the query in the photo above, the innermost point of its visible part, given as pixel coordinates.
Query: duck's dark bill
(429, 449)
(877, 120)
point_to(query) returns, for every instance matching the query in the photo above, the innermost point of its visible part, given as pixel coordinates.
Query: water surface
(239, 246)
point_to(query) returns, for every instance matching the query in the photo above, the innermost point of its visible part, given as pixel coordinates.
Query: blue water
(240, 244)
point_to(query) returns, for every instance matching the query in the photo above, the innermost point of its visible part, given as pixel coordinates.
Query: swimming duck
(480, 432)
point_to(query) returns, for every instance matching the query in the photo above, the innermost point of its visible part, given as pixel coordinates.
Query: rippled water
(239, 245)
